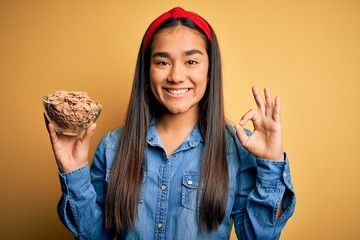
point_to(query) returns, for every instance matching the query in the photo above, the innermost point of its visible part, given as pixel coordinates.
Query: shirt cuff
(76, 182)
(274, 173)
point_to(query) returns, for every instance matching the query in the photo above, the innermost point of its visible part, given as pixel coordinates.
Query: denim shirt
(167, 205)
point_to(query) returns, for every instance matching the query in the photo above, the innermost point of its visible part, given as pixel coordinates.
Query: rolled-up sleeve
(263, 186)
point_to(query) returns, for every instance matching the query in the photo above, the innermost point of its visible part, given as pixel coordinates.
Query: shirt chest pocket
(189, 190)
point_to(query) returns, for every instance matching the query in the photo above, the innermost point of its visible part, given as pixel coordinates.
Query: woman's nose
(177, 73)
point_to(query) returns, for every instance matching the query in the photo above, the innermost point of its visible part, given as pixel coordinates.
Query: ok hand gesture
(266, 140)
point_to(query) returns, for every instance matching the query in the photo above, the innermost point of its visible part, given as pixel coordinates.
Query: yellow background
(306, 51)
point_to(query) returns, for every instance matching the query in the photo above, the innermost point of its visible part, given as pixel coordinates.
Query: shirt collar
(192, 140)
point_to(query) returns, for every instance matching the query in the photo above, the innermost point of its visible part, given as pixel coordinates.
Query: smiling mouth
(177, 91)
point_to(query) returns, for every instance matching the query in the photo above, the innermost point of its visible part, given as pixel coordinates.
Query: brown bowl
(71, 112)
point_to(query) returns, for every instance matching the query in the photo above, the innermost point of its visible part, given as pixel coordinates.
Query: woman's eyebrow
(192, 52)
(186, 53)
(161, 54)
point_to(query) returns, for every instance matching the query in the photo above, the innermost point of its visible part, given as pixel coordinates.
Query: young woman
(177, 170)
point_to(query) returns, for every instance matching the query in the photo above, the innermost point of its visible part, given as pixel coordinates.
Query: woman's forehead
(177, 36)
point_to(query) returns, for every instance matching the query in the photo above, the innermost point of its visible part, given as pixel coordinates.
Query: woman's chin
(182, 110)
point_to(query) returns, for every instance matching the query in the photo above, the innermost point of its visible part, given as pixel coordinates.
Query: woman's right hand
(71, 152)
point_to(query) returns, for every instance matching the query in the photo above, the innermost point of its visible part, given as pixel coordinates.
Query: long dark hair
(126, 173)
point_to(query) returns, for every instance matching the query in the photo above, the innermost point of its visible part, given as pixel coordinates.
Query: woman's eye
(162, 63)
(192, 62)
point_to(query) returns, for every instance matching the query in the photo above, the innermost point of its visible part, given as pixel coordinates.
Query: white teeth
(178, 91)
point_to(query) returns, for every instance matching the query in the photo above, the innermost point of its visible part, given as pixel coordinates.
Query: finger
(46, 122)
(88, 135)
(51, 130)
(52, 134)
(268, 101)
(259, 101)
(276, 112)
(243, 138)
(250, 115)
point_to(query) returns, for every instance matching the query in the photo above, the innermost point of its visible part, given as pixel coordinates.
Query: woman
(177, 170)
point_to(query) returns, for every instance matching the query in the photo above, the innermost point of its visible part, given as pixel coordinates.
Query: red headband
(177, 12)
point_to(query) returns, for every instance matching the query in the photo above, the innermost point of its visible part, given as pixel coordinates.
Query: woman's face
(178, 69)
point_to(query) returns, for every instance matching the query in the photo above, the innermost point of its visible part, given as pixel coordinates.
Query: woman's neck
(173, 129)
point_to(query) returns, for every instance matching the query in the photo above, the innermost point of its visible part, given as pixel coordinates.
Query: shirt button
(159, 225)
(284, 174)
(189, 182)
(163, 187)
(174, 154)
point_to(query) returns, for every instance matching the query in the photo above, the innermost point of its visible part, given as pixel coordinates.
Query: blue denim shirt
(167, 205)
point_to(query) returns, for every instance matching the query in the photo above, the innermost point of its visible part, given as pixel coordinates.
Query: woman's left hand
(266, 140)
